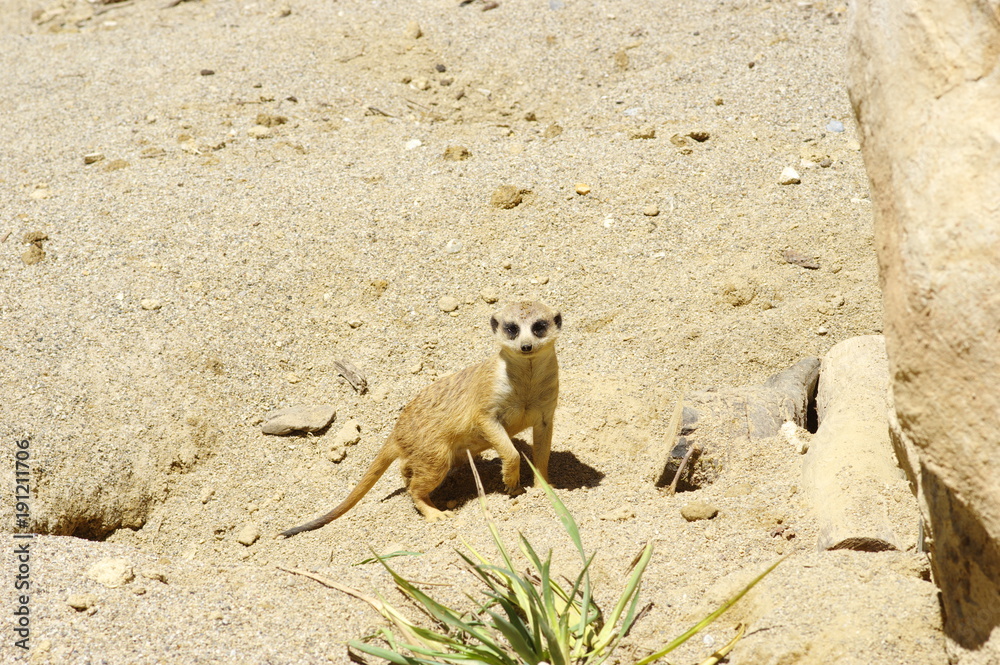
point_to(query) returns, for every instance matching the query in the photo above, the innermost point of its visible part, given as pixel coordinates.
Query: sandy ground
(269, 194)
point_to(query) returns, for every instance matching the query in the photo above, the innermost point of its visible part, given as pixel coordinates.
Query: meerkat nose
(526, 347)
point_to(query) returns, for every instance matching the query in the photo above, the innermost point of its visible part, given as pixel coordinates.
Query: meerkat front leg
(497, 437)
(541, 444)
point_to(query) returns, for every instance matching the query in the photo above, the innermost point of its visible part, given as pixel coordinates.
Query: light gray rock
(298, 419)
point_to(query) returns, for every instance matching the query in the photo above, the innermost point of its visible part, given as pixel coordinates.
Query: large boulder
(924, 80)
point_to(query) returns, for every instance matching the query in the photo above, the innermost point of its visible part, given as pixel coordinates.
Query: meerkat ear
(558, 319)
(494, 323)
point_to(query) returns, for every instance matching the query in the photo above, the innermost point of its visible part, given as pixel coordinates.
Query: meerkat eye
(539, 328)
(511, 330)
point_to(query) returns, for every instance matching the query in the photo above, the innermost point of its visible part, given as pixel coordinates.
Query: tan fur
(475, 409)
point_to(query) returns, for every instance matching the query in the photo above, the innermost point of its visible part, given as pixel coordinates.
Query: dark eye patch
(511, 330)
(539, 328)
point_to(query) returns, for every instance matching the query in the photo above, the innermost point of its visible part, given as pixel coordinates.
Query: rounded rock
(652, 210)
(698, 510)
(448, 304)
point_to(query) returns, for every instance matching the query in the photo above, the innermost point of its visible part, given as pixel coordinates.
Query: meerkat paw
(436, 515)
(516, 490)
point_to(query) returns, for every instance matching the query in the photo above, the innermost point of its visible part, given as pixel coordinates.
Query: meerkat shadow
(566, 472)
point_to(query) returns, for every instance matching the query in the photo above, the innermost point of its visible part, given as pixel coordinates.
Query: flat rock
(81, 601)
(248, 535)
(298, 419)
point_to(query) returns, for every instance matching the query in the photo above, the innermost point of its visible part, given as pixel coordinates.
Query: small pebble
(489, 295)
(698, 510)
(644, 133)
(822, 330)
(835, 126)
(151, 304)
(456, 153)
(448, 304)
(699, 136)
(652, 210)
(298, 419)
(789, 176)
(506, 197)
(413, 30)
(620, 514)
(207, 72)
(355, 323)
(112, 572)
(81, 601)
(292, 377)
(93, 157)
(348, 435)
(413, 144)
(453, 246)
(248, 535)
(269, 120)
(33, 255)
(260, 132)
(206, 495)
(582, 188)
(552, 131)
(336, 455)
(826, 162)
(421, 83)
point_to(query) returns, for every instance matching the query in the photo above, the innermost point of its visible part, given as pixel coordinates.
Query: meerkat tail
(383, 461)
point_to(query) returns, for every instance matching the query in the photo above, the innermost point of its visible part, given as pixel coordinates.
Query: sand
(237, 195)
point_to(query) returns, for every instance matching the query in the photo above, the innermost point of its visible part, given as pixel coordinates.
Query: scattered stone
(719, 101)
(456, 153)
(826, 162)
(248, 535)
(112, 573)
(415, 369)
(489, 295)
(41, 192)
(448, 304)
(154, 574)
(298, 419)
(33, 255)
(789, 176)
(336, 455)
(739, 293)
(349, 434)
(800, 259)
(413, 30)
(530, 116)
(739, 489)
(647, 132)
(651, 210)
(552, 131)
(260, 132)
(678, 140)
(621, 59)
(453, 246)
(507, 196)
(698, 510)
(292, 377)
(822, 330)
(150, 304)
(413, 144)
(81, 601)
(207, 494)
(207, 72)
(93, 157)
(620, 514)
(421, 83)
(699, 136)
(268, 120)
(582, 188)
(835, 126)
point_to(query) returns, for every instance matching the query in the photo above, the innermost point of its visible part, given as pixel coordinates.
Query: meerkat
(472, 410)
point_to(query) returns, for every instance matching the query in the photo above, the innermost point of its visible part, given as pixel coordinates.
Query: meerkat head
(526, 328)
